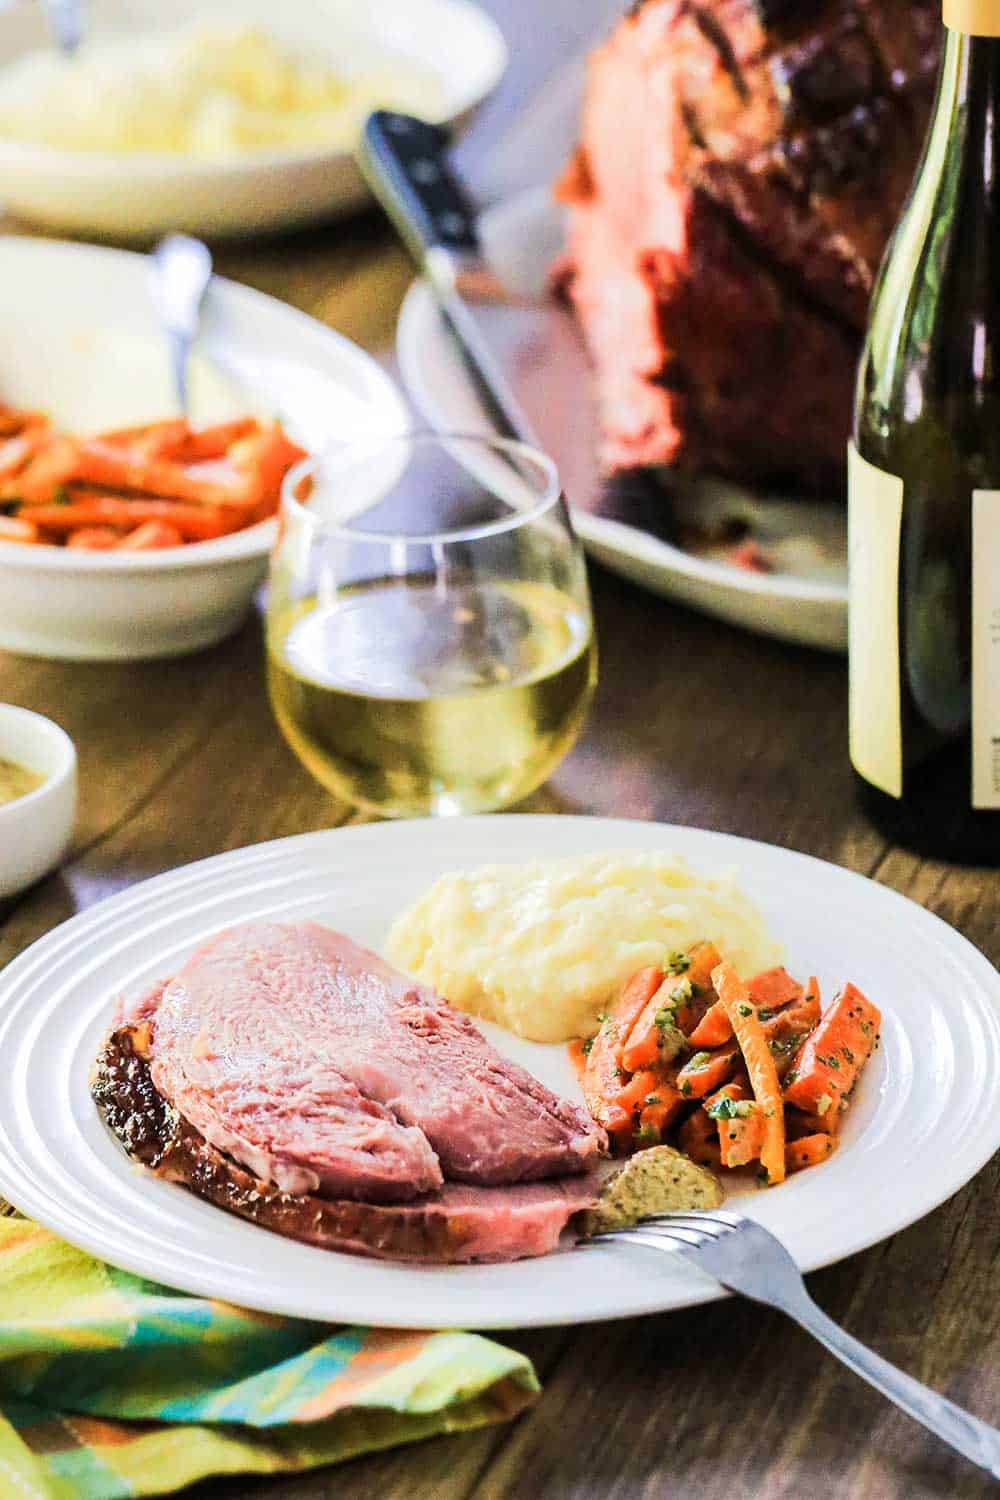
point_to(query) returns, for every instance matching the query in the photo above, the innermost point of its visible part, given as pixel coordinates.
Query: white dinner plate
(133, 194)
(804, 600)
(926, 1115)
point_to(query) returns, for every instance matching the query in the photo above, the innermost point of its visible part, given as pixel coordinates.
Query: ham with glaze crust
(321, 1069)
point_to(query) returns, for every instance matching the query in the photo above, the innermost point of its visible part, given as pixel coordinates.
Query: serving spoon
(66, 20)
(181, 271)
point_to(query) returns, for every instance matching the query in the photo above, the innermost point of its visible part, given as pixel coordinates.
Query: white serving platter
(925, 1119)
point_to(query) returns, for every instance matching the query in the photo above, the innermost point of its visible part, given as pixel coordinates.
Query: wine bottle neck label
(874, 525)
(975, 17)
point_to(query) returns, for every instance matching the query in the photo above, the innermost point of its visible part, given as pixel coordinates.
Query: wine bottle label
(874, 523)
(975, 17)
(986, 648)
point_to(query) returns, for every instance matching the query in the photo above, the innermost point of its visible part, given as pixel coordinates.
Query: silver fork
(747, 1258)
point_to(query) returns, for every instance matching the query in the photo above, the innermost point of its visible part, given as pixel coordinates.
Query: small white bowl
(138, 196)
(35, 829)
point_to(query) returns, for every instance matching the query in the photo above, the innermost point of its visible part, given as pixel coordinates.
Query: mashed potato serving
(206, 91)
(542, 948)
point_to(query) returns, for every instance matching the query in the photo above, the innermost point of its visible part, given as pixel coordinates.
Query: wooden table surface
(699, 724)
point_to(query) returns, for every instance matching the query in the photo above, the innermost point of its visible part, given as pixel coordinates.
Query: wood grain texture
(694, 723)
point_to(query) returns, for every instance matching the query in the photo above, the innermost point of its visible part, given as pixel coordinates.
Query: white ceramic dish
(35, 829)
(806, 604)
(925, 1119)
(140, 196)
(81, 342)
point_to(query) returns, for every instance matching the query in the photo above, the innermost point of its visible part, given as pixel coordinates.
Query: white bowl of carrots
(125, 531)
(144, 541)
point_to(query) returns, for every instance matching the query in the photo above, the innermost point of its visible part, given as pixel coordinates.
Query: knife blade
(404, 161)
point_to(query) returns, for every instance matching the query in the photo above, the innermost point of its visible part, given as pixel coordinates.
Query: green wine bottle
(924, 481)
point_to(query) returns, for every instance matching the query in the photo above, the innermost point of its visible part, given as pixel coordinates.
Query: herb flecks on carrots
(753, 1043)
(832, 1056)
(690, 1052)
(659, 1034)
(604, 1074)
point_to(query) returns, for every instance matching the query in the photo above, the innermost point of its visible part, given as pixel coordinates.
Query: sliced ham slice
(320, 1068)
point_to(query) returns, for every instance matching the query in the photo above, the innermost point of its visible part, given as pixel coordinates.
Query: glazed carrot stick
(713, 1029)
(663, 1104)
(93, 539)
(753, 1044)
(51, 467)
(809, 1151)
(118, 469)
(150, 537)
(151, 439)
(15, 529)
(633, 1093)
(834, 1054)
(741, 1136)
(738, 1120)
(602, 1076)
(16, 451)
(787, 1029)
(701, 960)
(699, 1139)
(267, 456)
(704, 1072)
(656, 1037)
(794, 1019)
(773, 988)
(213, 442)
(799, 1124)
(194, 522)
(659, 1033)
(14, 420)
(641, 1108)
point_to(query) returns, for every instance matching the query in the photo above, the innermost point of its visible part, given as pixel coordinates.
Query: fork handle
(974, 1439)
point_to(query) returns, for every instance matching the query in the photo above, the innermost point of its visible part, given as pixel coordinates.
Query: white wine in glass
(430, 645)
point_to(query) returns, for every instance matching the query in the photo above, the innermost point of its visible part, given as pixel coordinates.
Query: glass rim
(309, 465)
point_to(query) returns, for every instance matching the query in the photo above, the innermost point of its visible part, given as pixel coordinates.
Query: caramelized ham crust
(457, 1223)
(740, 167)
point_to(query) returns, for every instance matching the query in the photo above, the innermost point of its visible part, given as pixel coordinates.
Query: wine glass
(429, 636)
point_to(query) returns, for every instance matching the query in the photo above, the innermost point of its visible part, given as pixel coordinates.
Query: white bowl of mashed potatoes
(37, 797)
(225, 120)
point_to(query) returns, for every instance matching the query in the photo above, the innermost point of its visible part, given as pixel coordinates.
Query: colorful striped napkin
(112, 1386)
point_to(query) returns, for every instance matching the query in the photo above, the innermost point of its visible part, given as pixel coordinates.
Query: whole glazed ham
(740, 168)
(298, 1080)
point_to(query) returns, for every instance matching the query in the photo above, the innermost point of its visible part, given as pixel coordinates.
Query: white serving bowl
(138, 196)
(35, 829)
(81, 342)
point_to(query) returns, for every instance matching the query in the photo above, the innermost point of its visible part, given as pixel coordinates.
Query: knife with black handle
(403, 159)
